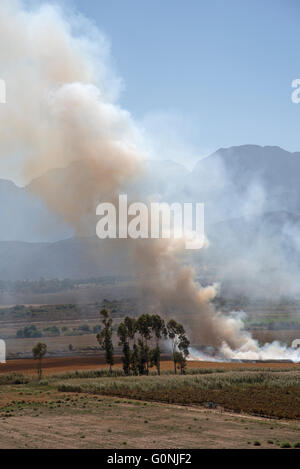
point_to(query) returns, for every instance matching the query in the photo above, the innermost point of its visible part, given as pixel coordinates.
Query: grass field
(254, 406)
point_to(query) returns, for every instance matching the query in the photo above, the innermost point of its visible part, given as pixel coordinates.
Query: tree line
(32, 331)
(140, 339)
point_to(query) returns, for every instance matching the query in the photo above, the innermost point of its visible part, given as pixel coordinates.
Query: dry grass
(38, 416)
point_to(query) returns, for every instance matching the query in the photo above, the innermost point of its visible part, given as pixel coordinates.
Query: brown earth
(83, 421)
(34, 416)
(63, 364)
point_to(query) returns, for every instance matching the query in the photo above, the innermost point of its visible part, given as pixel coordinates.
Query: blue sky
(210, 73)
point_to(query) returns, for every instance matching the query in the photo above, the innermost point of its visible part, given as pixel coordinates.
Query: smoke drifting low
(62, 109)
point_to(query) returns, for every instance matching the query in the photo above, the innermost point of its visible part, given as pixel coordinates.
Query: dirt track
(58, 365)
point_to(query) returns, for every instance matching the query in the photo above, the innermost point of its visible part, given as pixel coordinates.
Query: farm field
(68, 328)
(61, 364)
(258, 391)
(91, 410)
(78, 405)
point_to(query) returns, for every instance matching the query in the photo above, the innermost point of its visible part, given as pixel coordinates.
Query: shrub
(68, 388)
(29, 332)
(116, 372)
(13, 378)
(286, 444)
(51, 331)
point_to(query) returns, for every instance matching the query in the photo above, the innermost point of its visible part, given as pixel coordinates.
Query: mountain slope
(233, 182)
(246, 180)
(72, 258)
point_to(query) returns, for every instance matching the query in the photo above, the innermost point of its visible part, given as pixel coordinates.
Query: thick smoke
(62, 110)
(173, 289)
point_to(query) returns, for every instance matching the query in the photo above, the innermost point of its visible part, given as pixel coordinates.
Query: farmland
(264, 393)
(79, 405)
(68, 328)
(89, 409)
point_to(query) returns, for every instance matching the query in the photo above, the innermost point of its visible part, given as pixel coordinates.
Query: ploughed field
(54, 365)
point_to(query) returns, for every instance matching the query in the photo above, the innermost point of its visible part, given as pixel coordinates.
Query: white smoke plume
(62, 109)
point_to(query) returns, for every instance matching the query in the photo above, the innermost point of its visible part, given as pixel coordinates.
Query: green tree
(135, 359)
(183, 347)
(131, 326)
(123, 336)
(104, 338)
(182, 353)
(175, 333)
(160, 331)
(39, 351)
(144, 328)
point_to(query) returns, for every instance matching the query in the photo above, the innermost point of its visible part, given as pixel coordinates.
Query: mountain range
(252, 211)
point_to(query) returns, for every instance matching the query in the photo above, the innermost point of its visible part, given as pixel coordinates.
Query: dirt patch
(56, 365)
(99, 422)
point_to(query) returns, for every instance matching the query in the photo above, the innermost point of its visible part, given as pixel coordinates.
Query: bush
(285, 445)
(117, 372)
(69, 388)
(29, 332)
(13, 378)
(51, 331)
(43, 382)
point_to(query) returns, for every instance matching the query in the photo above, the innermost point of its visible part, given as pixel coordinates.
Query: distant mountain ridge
(252, 210)
(248, 179)
(232, 182)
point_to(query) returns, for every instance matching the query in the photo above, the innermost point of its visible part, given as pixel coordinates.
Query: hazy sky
(198, 75)
(217, 72)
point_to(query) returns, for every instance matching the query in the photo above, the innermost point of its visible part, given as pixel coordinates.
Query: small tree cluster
(140, 339)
